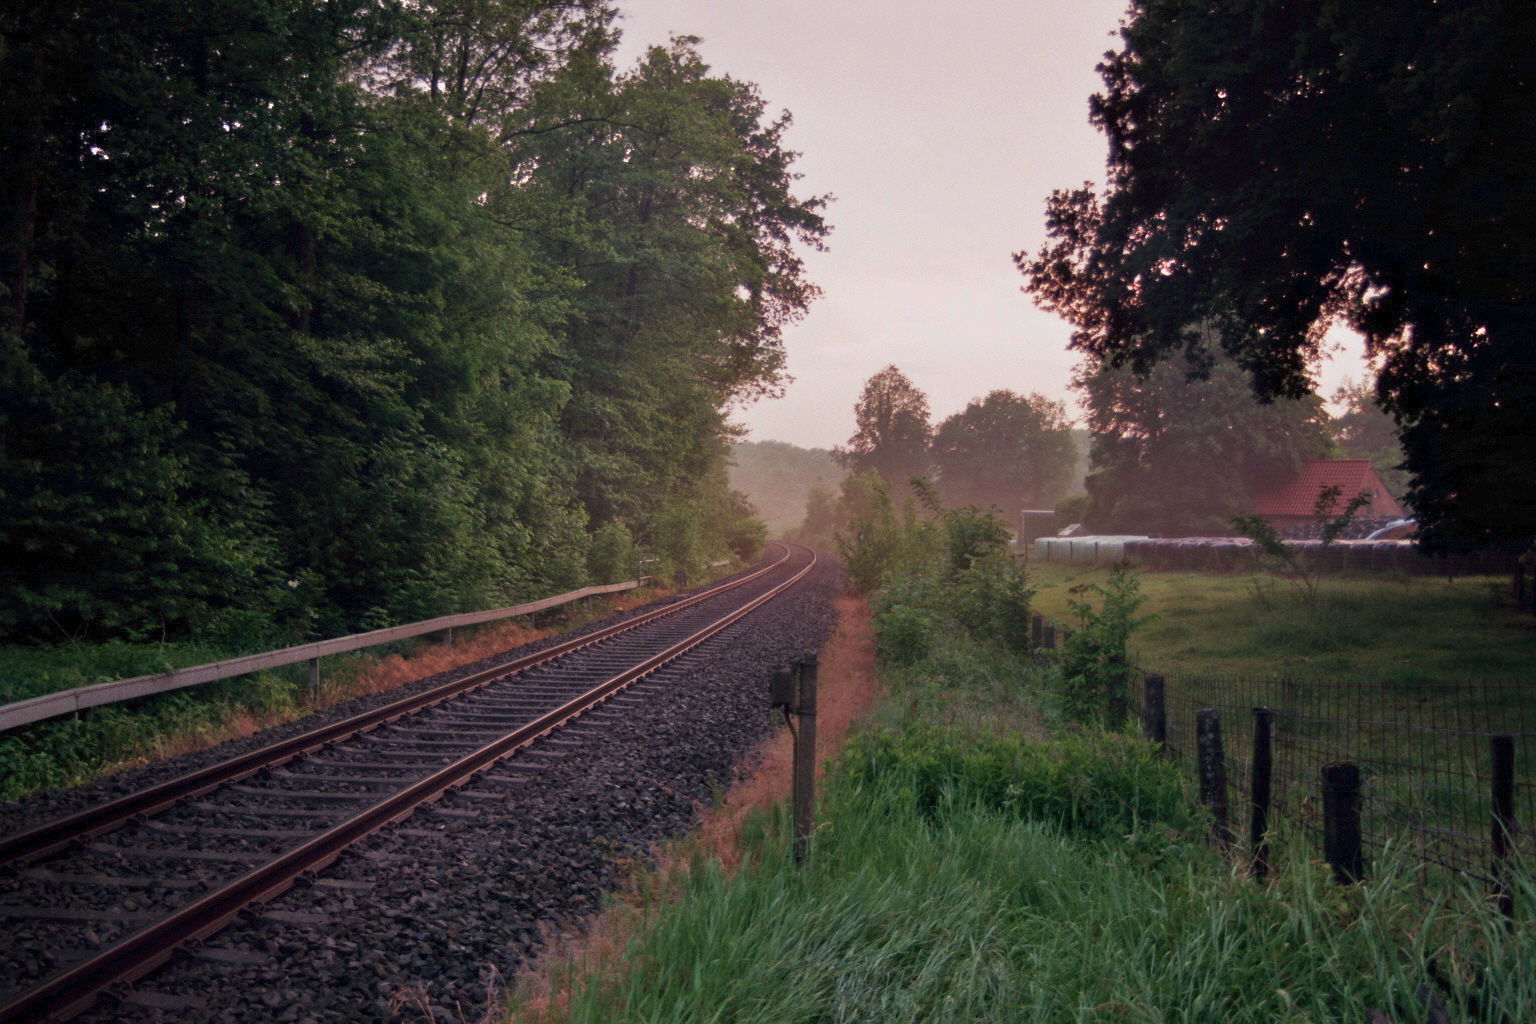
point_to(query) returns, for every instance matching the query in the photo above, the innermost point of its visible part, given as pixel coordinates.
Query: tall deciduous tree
(1180, 456)
(1280, 165)
(1364, 431)
(1006, 451)
(672, 202)
(892, 432)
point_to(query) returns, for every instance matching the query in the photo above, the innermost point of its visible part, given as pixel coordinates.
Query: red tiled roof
(1299, 496)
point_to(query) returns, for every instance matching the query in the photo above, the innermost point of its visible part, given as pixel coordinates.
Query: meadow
(1361, 629)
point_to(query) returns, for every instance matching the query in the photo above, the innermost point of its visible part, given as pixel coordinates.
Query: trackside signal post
(794, 690)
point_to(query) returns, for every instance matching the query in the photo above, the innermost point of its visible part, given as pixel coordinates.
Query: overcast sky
(940, 128)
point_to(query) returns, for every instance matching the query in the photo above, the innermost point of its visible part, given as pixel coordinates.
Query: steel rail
(53, 836)
(75, 989)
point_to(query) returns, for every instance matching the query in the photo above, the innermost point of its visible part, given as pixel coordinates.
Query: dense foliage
(1179, 456)
(324, 315)
(1276, 166)
(1005, 451)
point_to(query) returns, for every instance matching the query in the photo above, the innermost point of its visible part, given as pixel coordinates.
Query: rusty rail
(53, 836)
(76, 988)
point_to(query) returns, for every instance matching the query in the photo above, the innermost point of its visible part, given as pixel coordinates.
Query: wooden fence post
(1213, 773)
(1259, 789)
(1341, 821)
(1154, 714)
(805, 757)
(314, 680)
(1048, 637)
(1036, 632)
(1503, 750)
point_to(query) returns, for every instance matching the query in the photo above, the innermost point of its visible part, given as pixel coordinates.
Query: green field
(1365, 629)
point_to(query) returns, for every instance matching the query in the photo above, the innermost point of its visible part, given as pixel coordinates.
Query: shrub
(612, 557)
(1105, 785)
(1095, 659)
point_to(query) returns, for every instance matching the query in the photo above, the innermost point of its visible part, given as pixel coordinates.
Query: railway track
(102, 897)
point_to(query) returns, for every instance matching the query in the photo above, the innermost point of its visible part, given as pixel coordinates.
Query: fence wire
(1424, 752)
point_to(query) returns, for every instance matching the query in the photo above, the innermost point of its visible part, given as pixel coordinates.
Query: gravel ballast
(426, 917)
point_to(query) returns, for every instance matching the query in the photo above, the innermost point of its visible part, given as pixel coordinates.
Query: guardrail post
(314, 679)
(1259, 788)
(1213, 773)
(1503, 750)
(1341, 821)
(805, 757)
(1154, 715)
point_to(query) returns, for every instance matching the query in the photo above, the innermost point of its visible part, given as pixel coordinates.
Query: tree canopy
(1006, 451)
(893, 433)
(1180, 456)
(394, 303)
(1277, 166)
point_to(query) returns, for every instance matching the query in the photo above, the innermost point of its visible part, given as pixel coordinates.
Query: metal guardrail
(63, 702)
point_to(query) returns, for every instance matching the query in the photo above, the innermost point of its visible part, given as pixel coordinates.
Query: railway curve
(659, 719)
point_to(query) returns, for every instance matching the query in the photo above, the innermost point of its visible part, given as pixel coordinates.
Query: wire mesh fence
(1445, 771)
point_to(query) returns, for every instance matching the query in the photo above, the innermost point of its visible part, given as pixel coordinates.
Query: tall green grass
(991, 912)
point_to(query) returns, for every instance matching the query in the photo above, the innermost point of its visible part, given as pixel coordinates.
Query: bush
(1095, 659)
(612, 557)
(1106, 785)
(904, 634)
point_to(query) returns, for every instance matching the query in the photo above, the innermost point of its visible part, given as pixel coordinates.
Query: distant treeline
(323, 315)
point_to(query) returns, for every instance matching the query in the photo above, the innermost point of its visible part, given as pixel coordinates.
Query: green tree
(892, 435)
(1364, 431)
(1180, 455)
(670, 200)
(1278, 166)
(1005, 451)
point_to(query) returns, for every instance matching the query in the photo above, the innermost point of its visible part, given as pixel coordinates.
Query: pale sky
(940, 128)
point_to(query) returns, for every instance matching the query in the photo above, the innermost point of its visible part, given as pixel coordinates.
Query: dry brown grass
(847, 691)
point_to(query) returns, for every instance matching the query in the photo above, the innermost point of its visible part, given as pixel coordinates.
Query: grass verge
(111, 738)
(974, 908)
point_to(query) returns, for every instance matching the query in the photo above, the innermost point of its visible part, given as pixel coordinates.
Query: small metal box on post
(794, 690)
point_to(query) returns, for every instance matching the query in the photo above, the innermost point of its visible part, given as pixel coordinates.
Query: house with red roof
(1293, 503)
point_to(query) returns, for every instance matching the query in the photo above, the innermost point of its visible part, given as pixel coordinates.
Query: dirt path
(847, 692)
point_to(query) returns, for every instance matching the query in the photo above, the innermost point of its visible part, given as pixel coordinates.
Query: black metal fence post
(1213, 773)
(1259, 789)
(1503, 750)
(1036, 632)
(1154, 714)
(1341, 821)
(1048, 638)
